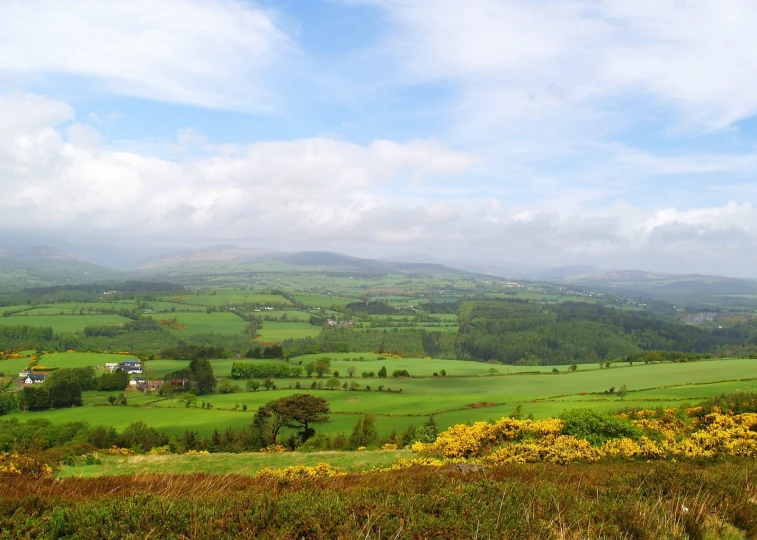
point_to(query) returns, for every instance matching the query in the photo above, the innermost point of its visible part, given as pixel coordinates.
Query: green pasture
(81, 359)
(223, 297)
(13, 366)
(417, 367)
(279, 331)
(64, 323)
(450, 399)
(244, 464)
(321, 300)
(66, 308)
(167, 307)
(291, 314)
(133, 396)
(207, 323)
(175, 420)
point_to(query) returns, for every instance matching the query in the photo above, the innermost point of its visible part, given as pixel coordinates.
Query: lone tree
(622, 392)
(321, 367)
(299, 411)
(202, 373)
(382, 372)
(364, 433)
(351, 371)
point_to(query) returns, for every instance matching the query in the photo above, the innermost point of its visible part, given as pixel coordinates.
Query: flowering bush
(667, 434)
(272, 449)
(115, 451)
(300, 472)
(19, 465)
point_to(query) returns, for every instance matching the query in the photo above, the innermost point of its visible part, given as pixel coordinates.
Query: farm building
(130, 366)
(138, 381)
(34, 378)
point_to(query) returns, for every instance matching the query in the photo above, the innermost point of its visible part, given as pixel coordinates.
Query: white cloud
(515, 58)
(323, 193)
(213, 53)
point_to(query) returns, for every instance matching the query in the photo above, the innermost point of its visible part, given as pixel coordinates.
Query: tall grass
(607, 500)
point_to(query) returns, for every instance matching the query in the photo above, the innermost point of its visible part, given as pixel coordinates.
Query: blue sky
(546, 132)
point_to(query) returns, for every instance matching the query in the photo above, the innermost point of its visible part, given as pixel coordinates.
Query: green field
(81, 359)
(229, 297)
(14, 366)
(450, 399)
(207, 323)
(417, 367)
(321, 300)
(291, 314)
(279, 331)
(64, 323)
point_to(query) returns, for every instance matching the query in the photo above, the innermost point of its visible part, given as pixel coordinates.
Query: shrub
(597, 427)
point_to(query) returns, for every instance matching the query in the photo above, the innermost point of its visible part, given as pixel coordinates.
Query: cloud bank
(550, 131)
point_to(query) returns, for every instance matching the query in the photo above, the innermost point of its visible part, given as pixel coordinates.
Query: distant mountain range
(49, 264)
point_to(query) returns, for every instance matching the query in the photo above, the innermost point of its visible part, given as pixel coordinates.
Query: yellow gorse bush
(14, 464)
(464, 441)
(116, 451)
(528, 441)
(300, 472)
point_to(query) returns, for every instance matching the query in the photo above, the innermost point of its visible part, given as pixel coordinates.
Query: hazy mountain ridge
(52, 264)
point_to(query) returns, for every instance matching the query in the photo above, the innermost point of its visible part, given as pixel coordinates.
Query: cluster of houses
(141, 383)
(32, 377)
(334, 322)
(145, 385)
(129, 366)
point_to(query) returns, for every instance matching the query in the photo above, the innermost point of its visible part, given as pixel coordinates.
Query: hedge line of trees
(247, 370)
(194, 352)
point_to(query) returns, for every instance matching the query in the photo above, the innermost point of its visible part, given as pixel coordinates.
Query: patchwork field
(64, 323)
(451, 399)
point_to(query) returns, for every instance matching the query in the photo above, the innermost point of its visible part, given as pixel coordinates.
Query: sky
(546, 132)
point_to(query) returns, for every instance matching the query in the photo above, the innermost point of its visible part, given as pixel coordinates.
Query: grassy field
(167, 307)
(417, 367)
(451, 400)
(229, 297)
(321, 300)
(207, 323)
(81, 359)
(291, 314)
(64, 323)
(279, 331)
(243, 464)
(13, 366)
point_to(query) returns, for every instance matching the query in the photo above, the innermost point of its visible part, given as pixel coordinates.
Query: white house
(35, 378)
